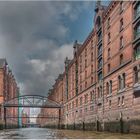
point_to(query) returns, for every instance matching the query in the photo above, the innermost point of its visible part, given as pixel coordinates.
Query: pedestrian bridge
(34, 101)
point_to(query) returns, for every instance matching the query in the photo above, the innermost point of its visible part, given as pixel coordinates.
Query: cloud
(34, 39)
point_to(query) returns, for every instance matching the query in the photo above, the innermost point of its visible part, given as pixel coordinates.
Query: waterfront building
(100, 87)
(8, 90)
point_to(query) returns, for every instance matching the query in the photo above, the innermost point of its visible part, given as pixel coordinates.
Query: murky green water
(43, 133)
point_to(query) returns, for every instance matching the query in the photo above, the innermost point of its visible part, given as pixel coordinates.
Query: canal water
(44, 133)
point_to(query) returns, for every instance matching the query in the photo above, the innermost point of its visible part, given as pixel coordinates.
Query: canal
(44, 133)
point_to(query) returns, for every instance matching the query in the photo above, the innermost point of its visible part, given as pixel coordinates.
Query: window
(98, 22)
(92, 56)
(100, 50)
(136, 75)
(110, 87)
(91, 68)
(109, 38)
(137, 52)
(108, 53)
(121, 24)
(121, 42)
(80, 68)
(91, 95)
(137, 10)
(85, 84)
(120, 81)
(108, 23)
(108, 67)
(80, 87)
(121, 7)
(122, 100)
(121, 59)
(85, 63)
(80, 78)
(109, 103)
(76, 102)
(86, 109)
(118, 101)
(107, 88)
(100, 63)
(137, 31)
(100, 92)
(123, 80)
(91, 80)
(100, 36)
(100, 76)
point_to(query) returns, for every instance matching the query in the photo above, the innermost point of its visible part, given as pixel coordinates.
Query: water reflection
(42, 133)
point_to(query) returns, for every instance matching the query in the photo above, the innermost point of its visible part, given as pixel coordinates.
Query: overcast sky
(35, 38)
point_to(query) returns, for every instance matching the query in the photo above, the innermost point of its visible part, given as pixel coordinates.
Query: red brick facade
(8, 90)
(99, 89)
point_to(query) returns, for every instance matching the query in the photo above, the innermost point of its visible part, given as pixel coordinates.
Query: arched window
(123, 80)
(119, 82)
(107, 88)
(121, 42)
(91, 80)
(91, 96)
(121, 59)
(108, 53)
(92, 56)
(110, 87)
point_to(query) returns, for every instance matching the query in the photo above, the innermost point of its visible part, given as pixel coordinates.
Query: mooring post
(5, 123)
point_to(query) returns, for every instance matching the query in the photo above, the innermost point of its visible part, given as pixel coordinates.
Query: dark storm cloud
(33, 39)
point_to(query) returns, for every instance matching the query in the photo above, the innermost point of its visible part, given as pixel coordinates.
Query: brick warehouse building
(99, 89)
(8, 90)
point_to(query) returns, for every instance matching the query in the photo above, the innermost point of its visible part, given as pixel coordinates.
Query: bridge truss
(30, 101)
